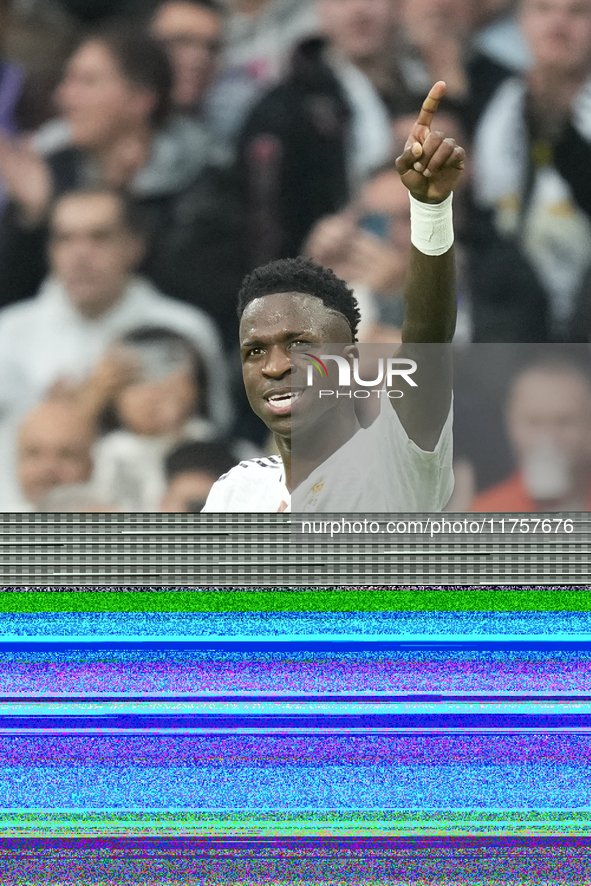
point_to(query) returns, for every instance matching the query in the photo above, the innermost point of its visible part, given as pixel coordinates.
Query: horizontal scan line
(301, 731)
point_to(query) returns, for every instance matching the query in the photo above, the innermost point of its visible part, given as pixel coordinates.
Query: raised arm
(430, 167)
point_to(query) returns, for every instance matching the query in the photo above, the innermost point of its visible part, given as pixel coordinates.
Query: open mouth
(281, 403)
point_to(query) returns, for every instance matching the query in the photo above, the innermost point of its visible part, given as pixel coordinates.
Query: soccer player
(403, 461)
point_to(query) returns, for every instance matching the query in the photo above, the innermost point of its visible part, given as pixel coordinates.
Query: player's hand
(431, 165)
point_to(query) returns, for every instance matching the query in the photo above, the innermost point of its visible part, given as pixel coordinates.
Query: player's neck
(315, 445)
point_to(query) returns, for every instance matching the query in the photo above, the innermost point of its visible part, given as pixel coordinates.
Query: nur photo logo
(349, 375)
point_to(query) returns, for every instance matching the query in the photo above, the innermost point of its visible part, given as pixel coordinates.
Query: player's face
(273, 329)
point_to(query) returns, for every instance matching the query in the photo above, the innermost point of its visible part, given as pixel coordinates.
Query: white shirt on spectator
(542, 215)
(129, 468)
(45, 339)
(369, 143)
(379, 469)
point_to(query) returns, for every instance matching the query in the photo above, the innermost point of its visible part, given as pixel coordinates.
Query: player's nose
(278, 362)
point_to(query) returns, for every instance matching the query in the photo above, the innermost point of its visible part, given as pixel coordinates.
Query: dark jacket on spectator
(292, 161)
(484, 77)
(189, 205)
(92, 11)
(509, 303)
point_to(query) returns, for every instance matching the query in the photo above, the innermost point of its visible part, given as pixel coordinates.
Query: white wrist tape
(431, 226)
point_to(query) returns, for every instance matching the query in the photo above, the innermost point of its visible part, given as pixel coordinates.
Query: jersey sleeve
(417, 479)
(220, 496)
(253, 486)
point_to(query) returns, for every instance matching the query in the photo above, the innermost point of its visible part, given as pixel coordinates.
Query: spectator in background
(548, 417)
(74, 498)
(85, 12)
(54, 447)
(11, 87)
(163, 404)
(191, 33)
(368, 245)
(497, 33)
(436, 35)
(310, 142)
(39, 38)
(43, 36)
(532, 252)
(11, 78)
(191, 470)
(115, 98)
(259, 38)
(438, 45)
(483, 456)
(92, 297)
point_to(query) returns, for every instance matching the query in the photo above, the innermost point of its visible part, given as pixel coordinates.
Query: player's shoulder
(245, 486)
(251, 467)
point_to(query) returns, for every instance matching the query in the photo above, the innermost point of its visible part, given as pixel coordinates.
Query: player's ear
(350, 352)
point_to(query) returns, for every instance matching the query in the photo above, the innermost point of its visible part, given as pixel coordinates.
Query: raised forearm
(430, 167)
(430, 298)
(429, 326)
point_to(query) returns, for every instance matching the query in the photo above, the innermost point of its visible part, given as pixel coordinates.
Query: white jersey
(380, 469)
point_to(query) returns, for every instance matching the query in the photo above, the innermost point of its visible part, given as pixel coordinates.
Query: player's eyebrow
(253, 343)
(256, 343)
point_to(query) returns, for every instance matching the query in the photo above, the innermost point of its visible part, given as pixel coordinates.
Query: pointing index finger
(431, 104)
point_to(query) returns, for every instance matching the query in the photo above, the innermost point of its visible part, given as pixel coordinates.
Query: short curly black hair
(305, 276)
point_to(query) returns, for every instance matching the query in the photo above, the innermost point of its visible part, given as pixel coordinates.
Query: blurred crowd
(153, 152)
